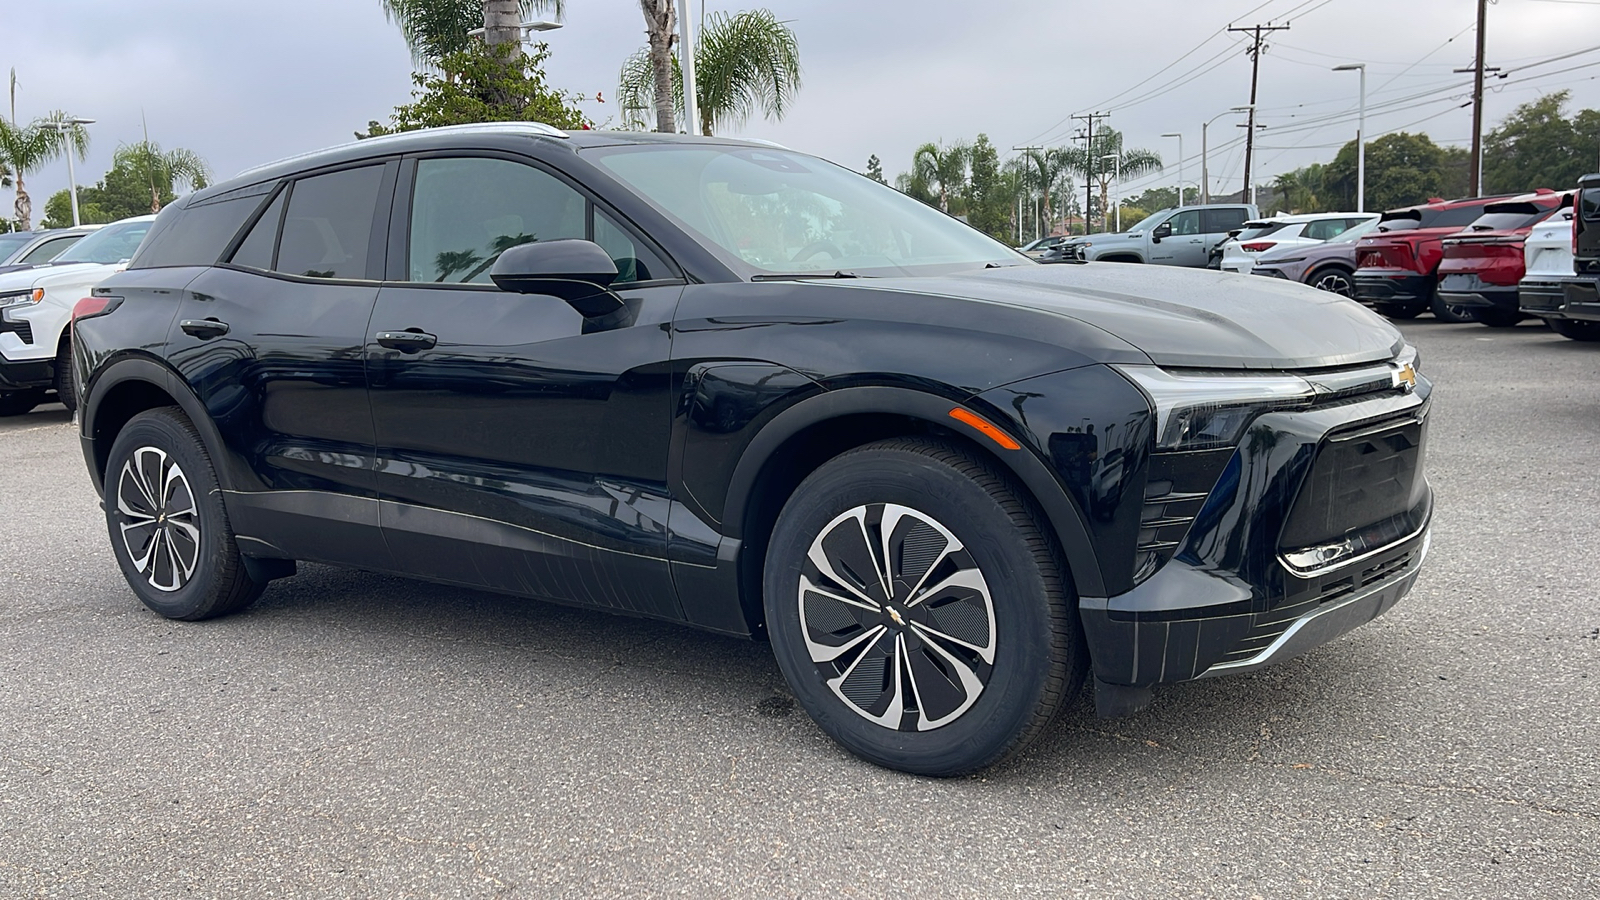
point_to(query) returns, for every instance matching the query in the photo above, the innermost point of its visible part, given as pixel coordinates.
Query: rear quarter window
(1217, 221)
(197, 235)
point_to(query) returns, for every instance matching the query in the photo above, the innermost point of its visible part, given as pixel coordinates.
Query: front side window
(466, 212)
(50, 249)
(328, 225)
(1186, 222)
(768, 211)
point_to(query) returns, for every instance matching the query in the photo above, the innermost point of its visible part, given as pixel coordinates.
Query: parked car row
(26, 249)
(36, 302)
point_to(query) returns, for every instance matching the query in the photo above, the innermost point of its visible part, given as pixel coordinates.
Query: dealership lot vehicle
(1397, 267)
(1483, 264)
(1328, 266)
(36, 306)
(946, 482)
(1581, 301)
(1184, 236)
(1241, 252)
(25, 249)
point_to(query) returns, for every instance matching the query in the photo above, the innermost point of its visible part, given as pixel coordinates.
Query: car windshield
(12, 242)
(111, 244)
(771, 211)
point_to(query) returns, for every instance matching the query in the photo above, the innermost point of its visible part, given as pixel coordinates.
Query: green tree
(745, 63)
(1537, 146)
(1403, 169)
(488, 84)
(142, 179)
(1153, 199)
(988, 202)
(875, 169)
(1090, 162)
(27, 148)
(434, 29)
(1044, 169)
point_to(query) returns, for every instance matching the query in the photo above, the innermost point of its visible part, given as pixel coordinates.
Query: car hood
(1184, 317)
(27, 278)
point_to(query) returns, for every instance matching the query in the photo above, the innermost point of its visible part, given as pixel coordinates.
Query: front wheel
(169, 530)
(919, 611)
(66, 385)
(1574, 329)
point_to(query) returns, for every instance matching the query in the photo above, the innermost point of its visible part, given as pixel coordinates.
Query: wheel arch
(1121, 257)
(800, 439)
(122, 389)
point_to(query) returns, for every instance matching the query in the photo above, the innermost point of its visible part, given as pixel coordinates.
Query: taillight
(1575, 218)
(1258, 246)
(90, 307)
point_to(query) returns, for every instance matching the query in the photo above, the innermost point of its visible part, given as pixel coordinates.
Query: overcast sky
(245, 83)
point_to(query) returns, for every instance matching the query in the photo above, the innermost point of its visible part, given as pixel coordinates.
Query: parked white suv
(1547, 255)
(1240, 251)
(36, 308)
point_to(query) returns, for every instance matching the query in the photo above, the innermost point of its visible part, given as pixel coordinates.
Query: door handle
(409, 341)
(1198, 241)
(204, 328)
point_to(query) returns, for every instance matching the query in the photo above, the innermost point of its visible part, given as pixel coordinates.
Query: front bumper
(1380, 287)
(1240, 592)
(1466, 289)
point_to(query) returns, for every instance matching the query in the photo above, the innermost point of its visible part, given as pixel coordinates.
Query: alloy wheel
(897, 617)
(158, 518)
(1336, 283)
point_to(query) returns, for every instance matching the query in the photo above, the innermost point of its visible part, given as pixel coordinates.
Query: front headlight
(21, 298)
(1212, 410)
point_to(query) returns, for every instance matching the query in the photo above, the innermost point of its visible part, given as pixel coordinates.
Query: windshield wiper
(794, 275)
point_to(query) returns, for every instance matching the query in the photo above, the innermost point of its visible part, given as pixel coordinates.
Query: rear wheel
(1336, 280)
(19, 403)
(1495, 317)
(1575, 330)
(169, 530)
(1450, 312)
(66, 385)
(918, 610)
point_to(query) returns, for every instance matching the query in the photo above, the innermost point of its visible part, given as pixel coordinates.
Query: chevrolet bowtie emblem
(1405, 377)
(895, 615)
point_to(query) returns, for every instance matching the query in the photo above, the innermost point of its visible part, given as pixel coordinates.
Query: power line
(1255, 72)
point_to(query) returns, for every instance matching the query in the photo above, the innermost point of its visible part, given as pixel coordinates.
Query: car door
(520, 447)
(1216, 223)
(1185, 246)
(271, 343)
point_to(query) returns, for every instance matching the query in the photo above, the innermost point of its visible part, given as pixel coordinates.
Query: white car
(36, 308)
(1547, 257)
(1239, 252)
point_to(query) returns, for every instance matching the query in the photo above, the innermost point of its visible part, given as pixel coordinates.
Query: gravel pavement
(355, 735)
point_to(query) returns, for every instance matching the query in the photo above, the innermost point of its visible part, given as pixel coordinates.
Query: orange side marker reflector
(985, 427)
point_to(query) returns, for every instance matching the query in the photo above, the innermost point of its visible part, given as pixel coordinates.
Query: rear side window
(327, 228)
(1220, 220)
(255, 251)
(197, 235)
(466, 212)
(1326, 229)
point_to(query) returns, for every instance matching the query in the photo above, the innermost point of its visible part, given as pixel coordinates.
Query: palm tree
(1045, 168)
(434, 29)
(661, 27)
(744, 63)
(25, 149)
(946, 167)
(160, 167)
(1090, 162)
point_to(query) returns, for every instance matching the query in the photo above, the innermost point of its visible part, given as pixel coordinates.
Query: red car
(1396, 266)
(1483, 264)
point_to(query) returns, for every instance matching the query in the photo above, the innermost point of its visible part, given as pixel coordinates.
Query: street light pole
(1361, 136)
(1205, 174)
(686, 38)
(64, 126)
(1116, 184)
(1179, 136)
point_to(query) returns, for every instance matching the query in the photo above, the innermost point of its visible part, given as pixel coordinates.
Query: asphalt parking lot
(354, 735)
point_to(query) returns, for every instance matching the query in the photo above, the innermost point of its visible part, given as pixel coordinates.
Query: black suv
(738, 387)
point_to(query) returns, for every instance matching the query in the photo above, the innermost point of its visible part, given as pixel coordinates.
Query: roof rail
(532, 129)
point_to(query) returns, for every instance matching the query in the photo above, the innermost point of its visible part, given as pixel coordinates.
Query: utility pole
(1089, 157)
(1255, 70)
(1475, 177)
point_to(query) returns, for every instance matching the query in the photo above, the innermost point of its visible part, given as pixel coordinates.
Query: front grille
(1271, 625)
(23, 330)
(1359, 478)
(1174, 492)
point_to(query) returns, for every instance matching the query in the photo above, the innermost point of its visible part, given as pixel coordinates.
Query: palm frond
(435, 28)
(745, 63)
(636, 91)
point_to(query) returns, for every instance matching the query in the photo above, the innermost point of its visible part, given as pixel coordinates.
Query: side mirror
(578, 272)
(1162, 230)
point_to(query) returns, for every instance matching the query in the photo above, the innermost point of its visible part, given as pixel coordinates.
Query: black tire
(162, 501)
(18, 403)
(1495, 317)
(1455, 315)
(1336, 280)
(1401, 310)
(66, 385)
(1574, 329)
(1016, 607)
